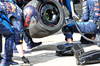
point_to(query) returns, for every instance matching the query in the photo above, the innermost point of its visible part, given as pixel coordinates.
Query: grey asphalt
(44, 55)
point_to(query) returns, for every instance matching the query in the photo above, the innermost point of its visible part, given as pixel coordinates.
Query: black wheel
(51, 18)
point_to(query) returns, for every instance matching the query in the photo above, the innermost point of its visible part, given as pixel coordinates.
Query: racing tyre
(51, 18)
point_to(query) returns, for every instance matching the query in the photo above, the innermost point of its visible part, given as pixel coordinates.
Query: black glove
(25, 60)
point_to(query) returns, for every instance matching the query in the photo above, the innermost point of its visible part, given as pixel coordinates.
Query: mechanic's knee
(65, 30)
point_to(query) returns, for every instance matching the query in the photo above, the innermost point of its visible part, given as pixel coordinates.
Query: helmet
(30, 13)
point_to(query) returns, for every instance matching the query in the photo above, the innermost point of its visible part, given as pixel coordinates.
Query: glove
(25, 60)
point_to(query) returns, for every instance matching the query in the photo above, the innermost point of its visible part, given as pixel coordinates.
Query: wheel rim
(49, 14)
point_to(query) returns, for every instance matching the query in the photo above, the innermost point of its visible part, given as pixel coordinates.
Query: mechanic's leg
(87, 27)
(74, 8)
(69, 8)
(7, 31)
(65, 48)
(68, 37)
(29, 41)
(68, 31)
(17, 25)
(0, 47)
(27, 38)
(68, 5)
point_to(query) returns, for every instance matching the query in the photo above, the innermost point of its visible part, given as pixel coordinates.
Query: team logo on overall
(28, 18)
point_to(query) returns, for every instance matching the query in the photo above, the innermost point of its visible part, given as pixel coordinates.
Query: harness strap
(1, 19)
(4, 17)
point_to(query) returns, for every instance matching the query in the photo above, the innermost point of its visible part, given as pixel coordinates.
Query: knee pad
(65, 30)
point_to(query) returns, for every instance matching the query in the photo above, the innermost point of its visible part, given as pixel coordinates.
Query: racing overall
(68, 5)
(13, 23)
(7, 31)
(7, 11)
(89, 17)
(26, 37)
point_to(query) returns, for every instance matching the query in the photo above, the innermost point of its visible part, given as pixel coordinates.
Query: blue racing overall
(89, 17)
(13, 15)
(7, 31)
(27, 38)
(13, 23)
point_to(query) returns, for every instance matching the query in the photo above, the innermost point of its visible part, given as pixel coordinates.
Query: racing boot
(64, 50)
(7, 62)
(33, 45)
